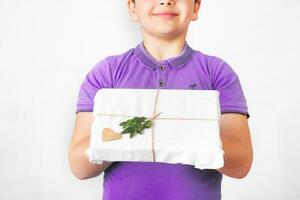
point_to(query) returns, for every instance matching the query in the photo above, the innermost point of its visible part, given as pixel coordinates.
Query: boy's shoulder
(121, 56)
(207, 57)
(215, 65)
(212, 63)
(107, 62)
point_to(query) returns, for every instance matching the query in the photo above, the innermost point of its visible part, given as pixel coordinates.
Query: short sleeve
(97, 78)
(226, 81)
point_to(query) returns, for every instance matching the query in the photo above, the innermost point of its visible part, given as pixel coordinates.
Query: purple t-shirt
(136, 68)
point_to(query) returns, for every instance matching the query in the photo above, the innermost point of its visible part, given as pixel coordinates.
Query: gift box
(184, 127)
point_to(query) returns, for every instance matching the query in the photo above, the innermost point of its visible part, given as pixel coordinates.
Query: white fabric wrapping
(193, 142)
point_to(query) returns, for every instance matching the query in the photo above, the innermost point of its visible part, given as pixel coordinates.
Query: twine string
(153, 118)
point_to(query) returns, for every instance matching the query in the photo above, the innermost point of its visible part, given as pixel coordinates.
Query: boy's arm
(235, 136)
(78, 160)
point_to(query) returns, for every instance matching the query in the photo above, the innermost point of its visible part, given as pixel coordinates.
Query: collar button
(161, 83)
(161, 67)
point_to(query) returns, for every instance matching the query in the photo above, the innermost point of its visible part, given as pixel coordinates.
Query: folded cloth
(185, 127)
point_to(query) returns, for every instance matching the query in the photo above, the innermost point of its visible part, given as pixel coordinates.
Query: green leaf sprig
(135, 126)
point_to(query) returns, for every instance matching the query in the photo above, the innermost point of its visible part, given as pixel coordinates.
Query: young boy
(164, 60)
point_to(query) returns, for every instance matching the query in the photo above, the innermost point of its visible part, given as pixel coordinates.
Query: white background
(48, 46)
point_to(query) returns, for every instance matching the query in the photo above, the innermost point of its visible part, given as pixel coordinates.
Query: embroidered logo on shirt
(193, 86)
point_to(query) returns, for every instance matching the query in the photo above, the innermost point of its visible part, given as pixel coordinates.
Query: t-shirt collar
(148, 61)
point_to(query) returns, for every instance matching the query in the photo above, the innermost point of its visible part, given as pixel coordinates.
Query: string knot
(151, 118)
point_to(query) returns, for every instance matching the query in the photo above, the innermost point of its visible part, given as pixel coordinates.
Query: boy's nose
(169, 2)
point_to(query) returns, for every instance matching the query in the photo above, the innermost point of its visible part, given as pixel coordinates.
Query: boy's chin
(164, 29)
(166, 33)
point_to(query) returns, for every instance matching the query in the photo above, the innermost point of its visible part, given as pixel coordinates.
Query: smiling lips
(166, 14)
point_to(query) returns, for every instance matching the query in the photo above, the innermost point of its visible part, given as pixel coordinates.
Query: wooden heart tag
(108, 134)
